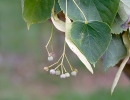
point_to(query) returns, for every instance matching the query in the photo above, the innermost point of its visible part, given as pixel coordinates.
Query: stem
(118, 74)
(64, 68)
(63, 53)
(56, 62)
(49, 40)
(52, 47)
(57, 67)
(69, 63)
(81, 12)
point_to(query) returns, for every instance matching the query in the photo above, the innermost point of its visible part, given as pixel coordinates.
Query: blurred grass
(119, 94)
(11, 91)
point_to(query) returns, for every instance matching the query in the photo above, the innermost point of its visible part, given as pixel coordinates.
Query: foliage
(93, 28)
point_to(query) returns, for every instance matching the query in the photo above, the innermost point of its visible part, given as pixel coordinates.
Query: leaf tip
(91, 70)
(111, 92)
(28, 26)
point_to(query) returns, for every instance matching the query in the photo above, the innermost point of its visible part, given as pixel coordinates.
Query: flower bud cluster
(58, 72)
(63, 73)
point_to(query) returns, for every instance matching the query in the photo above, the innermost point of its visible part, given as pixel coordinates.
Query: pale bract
(60, 25)
(118, 74)
(65, 27)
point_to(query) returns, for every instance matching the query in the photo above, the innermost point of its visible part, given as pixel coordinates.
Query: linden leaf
(120, 19)
(116, 25)
(115, 52)
(65, 27)
(92, 39)
(36, 11)
(73, 47)
(101, 10)
(57, 7)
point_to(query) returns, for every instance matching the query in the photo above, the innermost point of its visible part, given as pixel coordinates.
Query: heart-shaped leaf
(92, 39)
(73, 47)
(36, 11)
(101, 10)
(65, 27)
(115, 52)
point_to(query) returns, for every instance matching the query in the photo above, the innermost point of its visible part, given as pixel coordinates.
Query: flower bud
(73, 73)
(76, 70)
(52, 71)
(45, 68)
(50, 58)
(62, 76)
(67, 74)
(57, 72)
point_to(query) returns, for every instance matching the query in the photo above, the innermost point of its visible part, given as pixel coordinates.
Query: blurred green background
(23, 56)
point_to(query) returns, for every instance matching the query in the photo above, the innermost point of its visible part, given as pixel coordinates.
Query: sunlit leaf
(126, 4)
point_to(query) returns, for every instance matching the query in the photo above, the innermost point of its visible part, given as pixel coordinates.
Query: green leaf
(36, 11)
(57, 7)
(120, 19)
(101, 10)
(115, 52)
(116, 26)
(92, 39)
(73, 47)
